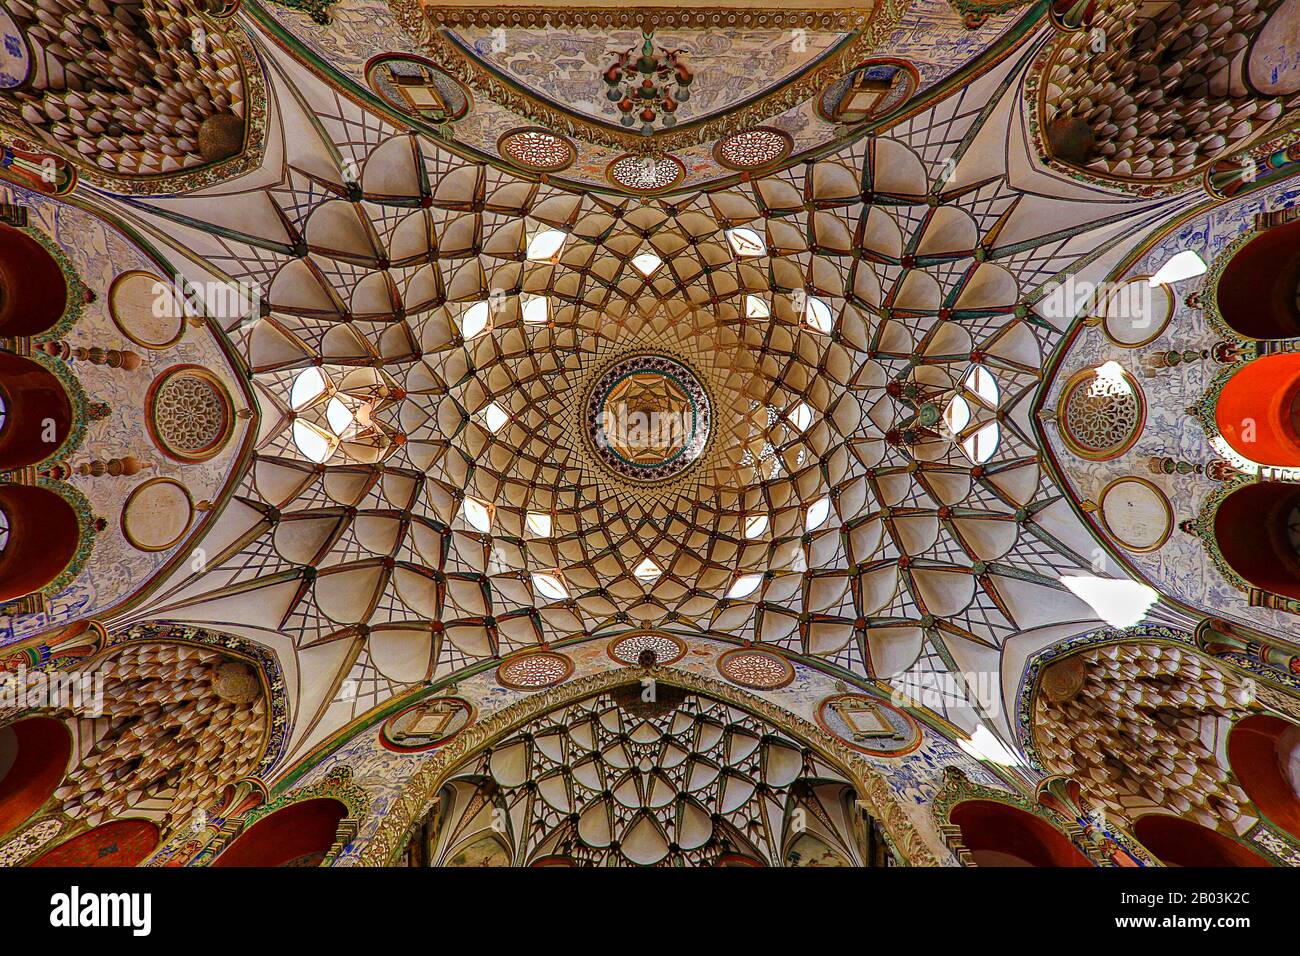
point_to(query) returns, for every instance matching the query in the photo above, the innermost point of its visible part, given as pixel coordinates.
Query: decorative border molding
(14, 854)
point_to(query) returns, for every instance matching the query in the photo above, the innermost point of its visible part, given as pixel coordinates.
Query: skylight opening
(957, 415)
(817, 514)
(647, 571)
(494, 417)
(1185, 265)
(1119, 602)
(980, 446)
(314, 442)
(546, 245)
(1112, 371)
(536, 309)
(647, 263)
(744, 586)
(818, 316)
(474, 321)
(538, 523)
(549, 584)
(756, 307)
(801, 417)
(339, 416)
(984, 745)
(746, 243)
(477, 514)
(309, 386)
(981, 381)
(756, 525)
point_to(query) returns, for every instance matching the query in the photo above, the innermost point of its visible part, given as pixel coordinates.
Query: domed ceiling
(838, 332)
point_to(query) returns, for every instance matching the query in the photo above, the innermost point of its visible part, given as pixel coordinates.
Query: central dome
(648, 417)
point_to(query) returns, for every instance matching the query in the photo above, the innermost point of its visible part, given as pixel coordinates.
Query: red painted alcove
(286, 835)
(36, 408)
(33, 759)
(1258, 410)
(33, 291)
(1001, 835)
(1256, 293)
(119, 843)
(1179, 842)
(43, 537)
(1250, 527)
(1259, 749)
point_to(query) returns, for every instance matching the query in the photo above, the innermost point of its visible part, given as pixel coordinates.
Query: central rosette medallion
(648, 417)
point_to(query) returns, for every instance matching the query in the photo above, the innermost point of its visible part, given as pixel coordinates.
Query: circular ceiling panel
(756, 669)
(146, 309)
(753, 148)
(646, 174)
(537, 149)
(157, 514)
(533, 670)
(1136, 513)
(666, 649)
(1101, 411)
(648, 418)
(189, 412)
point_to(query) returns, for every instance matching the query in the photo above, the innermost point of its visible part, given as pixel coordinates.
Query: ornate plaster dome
(857, 482)
(450, 472)
(867, 460)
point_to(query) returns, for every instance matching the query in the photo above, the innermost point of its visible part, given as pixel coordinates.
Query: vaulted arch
(1264, 754)
(299, 834)
(1258, 410)
(43, 533)
(33, 290)
(36, 412)
(1257, 293)
(998, 834)
(1179, 842)
(34, 754)
(1252, 527)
